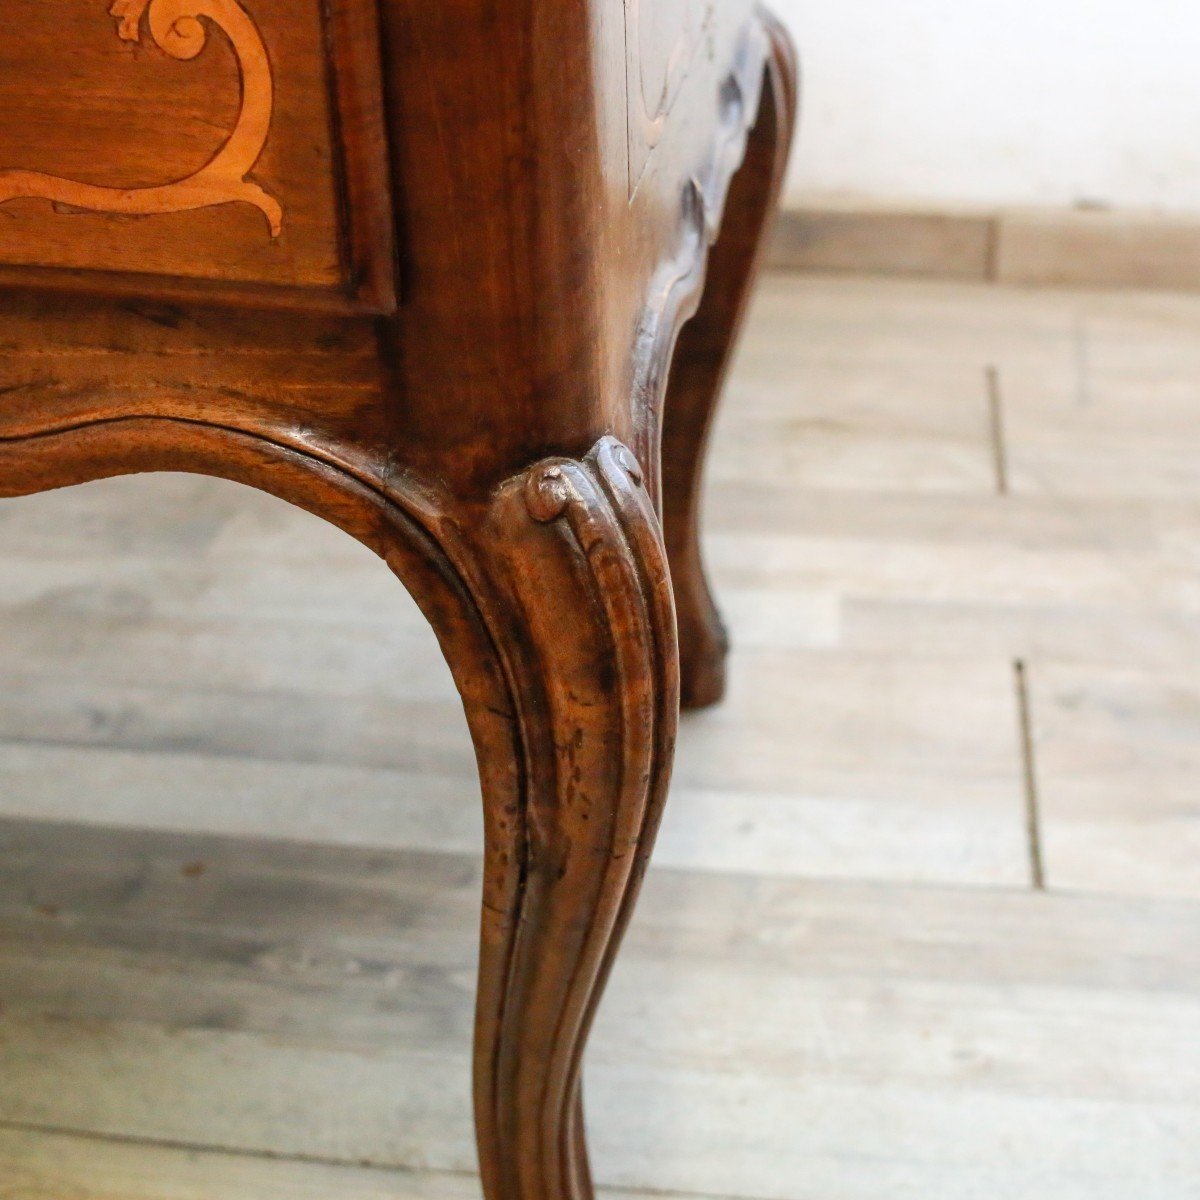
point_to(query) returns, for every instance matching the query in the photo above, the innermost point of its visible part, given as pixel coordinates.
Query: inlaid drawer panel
(216, 146)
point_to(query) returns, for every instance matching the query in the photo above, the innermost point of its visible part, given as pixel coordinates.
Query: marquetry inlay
(180, 28)
(662, 39)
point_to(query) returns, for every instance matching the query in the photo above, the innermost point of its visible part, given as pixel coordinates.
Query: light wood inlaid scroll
(662, 40)
(178, 28)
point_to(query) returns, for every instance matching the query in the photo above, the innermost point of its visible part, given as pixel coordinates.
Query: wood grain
(51, 1166)
(494, 438)
(315, 1001)
(212, 661)
(1117, 768)
(149, 627)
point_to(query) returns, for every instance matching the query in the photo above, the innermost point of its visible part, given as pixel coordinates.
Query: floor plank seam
(124, 1139)
(33, 1129)
(995, 401)
(1033, 821)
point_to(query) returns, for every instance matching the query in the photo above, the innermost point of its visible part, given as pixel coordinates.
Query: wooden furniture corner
(436, 273)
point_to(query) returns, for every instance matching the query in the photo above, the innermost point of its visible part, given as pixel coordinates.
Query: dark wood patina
(438, 294)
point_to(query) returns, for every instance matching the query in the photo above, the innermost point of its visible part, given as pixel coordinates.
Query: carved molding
(675, 288)
(180, 28)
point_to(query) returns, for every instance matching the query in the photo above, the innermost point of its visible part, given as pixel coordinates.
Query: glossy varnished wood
(497, 439)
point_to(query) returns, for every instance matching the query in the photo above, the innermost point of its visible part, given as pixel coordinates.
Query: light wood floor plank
(776, 781)
(58, 1166)
(1118, 756)
(763, 1037)
(893, 428)
(1102, 580)
(1107, 434)
(55, 1166)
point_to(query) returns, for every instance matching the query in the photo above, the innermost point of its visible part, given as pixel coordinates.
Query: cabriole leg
(701, 362)
(576, 564)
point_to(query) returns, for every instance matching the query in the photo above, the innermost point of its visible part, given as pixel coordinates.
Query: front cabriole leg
(585, 618)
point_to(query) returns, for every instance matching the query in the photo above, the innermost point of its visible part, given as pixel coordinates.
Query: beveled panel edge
(354, 55)
(183, 290)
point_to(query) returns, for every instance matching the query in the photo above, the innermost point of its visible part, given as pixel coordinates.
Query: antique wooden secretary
(423, 268)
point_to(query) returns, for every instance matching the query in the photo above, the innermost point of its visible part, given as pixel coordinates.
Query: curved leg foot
(583, 617)
(702, 357)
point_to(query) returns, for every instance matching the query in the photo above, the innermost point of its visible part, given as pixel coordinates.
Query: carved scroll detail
(178, 28)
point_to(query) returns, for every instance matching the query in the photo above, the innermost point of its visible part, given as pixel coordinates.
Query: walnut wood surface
(496, 440)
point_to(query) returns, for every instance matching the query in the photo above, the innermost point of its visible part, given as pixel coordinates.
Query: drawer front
(215, 147)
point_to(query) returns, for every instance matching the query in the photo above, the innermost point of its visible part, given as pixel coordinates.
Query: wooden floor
(925, 924)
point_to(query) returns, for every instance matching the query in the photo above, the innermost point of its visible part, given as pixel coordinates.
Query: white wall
(999, 102)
